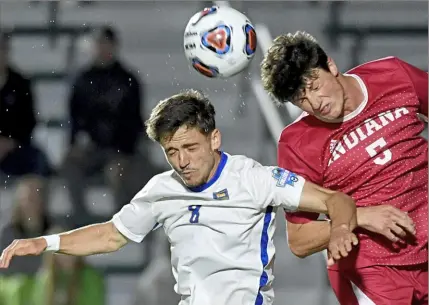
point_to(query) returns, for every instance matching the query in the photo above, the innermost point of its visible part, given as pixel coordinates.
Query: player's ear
(332, 67)
(216, 139)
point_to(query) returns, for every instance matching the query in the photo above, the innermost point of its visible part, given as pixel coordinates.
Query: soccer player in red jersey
(359, 134)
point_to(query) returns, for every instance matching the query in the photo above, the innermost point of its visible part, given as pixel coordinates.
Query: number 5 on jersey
(375, 147)
(195, 209)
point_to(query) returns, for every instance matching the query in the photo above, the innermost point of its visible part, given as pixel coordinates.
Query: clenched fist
(22, 247)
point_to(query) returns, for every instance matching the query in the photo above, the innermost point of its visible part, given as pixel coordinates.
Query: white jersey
(221, 233)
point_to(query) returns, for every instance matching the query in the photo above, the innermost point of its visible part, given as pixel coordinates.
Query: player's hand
(22, 247)
(387, 221)
(340, 243)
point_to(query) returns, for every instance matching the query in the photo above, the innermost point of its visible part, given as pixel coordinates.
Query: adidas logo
(332, 145)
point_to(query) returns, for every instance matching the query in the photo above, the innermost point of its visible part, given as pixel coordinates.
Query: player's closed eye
(192, 148)
(171, 153)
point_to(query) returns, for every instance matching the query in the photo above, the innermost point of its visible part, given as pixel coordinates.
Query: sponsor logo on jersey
(284, 177)
(221, 195)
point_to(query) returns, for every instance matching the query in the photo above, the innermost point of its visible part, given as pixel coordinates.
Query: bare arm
(340, 207)
(342, 211)
(93, 239)
(311, 237)
(308, 238)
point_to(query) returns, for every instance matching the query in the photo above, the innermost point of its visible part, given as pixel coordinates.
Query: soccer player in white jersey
(217, 210)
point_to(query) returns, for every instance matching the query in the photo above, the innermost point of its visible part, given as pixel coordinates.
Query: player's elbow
(298, 251)
(296, 246)
(114, 240)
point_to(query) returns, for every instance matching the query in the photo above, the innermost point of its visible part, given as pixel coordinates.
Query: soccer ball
(219, 42)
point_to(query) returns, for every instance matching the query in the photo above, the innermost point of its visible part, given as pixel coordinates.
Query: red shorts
(381, 285)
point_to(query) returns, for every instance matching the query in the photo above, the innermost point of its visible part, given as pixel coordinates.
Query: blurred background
(80, 62)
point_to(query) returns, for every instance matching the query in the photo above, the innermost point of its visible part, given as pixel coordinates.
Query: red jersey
(374, 154)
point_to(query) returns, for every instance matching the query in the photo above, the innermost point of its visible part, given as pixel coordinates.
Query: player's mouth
(325, 109)
(187, 174)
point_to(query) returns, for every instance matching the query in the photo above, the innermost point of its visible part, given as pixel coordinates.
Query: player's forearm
(93, 239)
(342, 210)
(307, 239)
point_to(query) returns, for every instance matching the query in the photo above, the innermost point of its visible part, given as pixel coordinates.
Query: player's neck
(353, 94)
(216, 165)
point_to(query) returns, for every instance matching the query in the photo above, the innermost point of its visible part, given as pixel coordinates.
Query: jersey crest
(284, 177)
(221, 195)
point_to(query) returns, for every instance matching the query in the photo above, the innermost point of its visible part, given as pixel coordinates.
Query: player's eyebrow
(187, 145)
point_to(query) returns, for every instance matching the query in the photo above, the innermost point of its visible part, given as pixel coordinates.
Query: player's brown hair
(189, 108)
(289, 63)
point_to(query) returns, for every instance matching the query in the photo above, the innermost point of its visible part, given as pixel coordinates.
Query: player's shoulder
(160, 185)
(239, 163)
(382, 65)
(162, 178)
(246, 170)
(304, 128)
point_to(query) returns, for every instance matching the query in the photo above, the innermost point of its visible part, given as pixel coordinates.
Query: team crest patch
(221, 195)
(284, 177)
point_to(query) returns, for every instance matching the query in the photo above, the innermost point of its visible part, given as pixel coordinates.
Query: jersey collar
(220, 167)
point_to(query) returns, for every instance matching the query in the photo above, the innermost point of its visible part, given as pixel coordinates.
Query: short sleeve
(135, 220)
(419, 79)
(291, 158)
(275, 186)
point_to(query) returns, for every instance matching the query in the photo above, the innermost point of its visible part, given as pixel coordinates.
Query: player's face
(192, 154)
(324, 95)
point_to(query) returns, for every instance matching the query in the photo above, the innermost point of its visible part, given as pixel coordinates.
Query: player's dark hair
(289, 63)
(189, 108)
(106, 33)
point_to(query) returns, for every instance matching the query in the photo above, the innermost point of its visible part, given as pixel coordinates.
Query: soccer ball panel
(219, 42)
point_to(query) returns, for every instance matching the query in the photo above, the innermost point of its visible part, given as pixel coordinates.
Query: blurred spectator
(105, 106)
(29, 219)
(67, 280)
(19, 157)
(60, 280)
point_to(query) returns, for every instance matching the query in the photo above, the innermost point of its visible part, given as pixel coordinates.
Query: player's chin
(191, 182)
(332, 115)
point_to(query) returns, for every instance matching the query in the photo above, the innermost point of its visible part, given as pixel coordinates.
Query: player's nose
(183, 161)
(315, 103)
